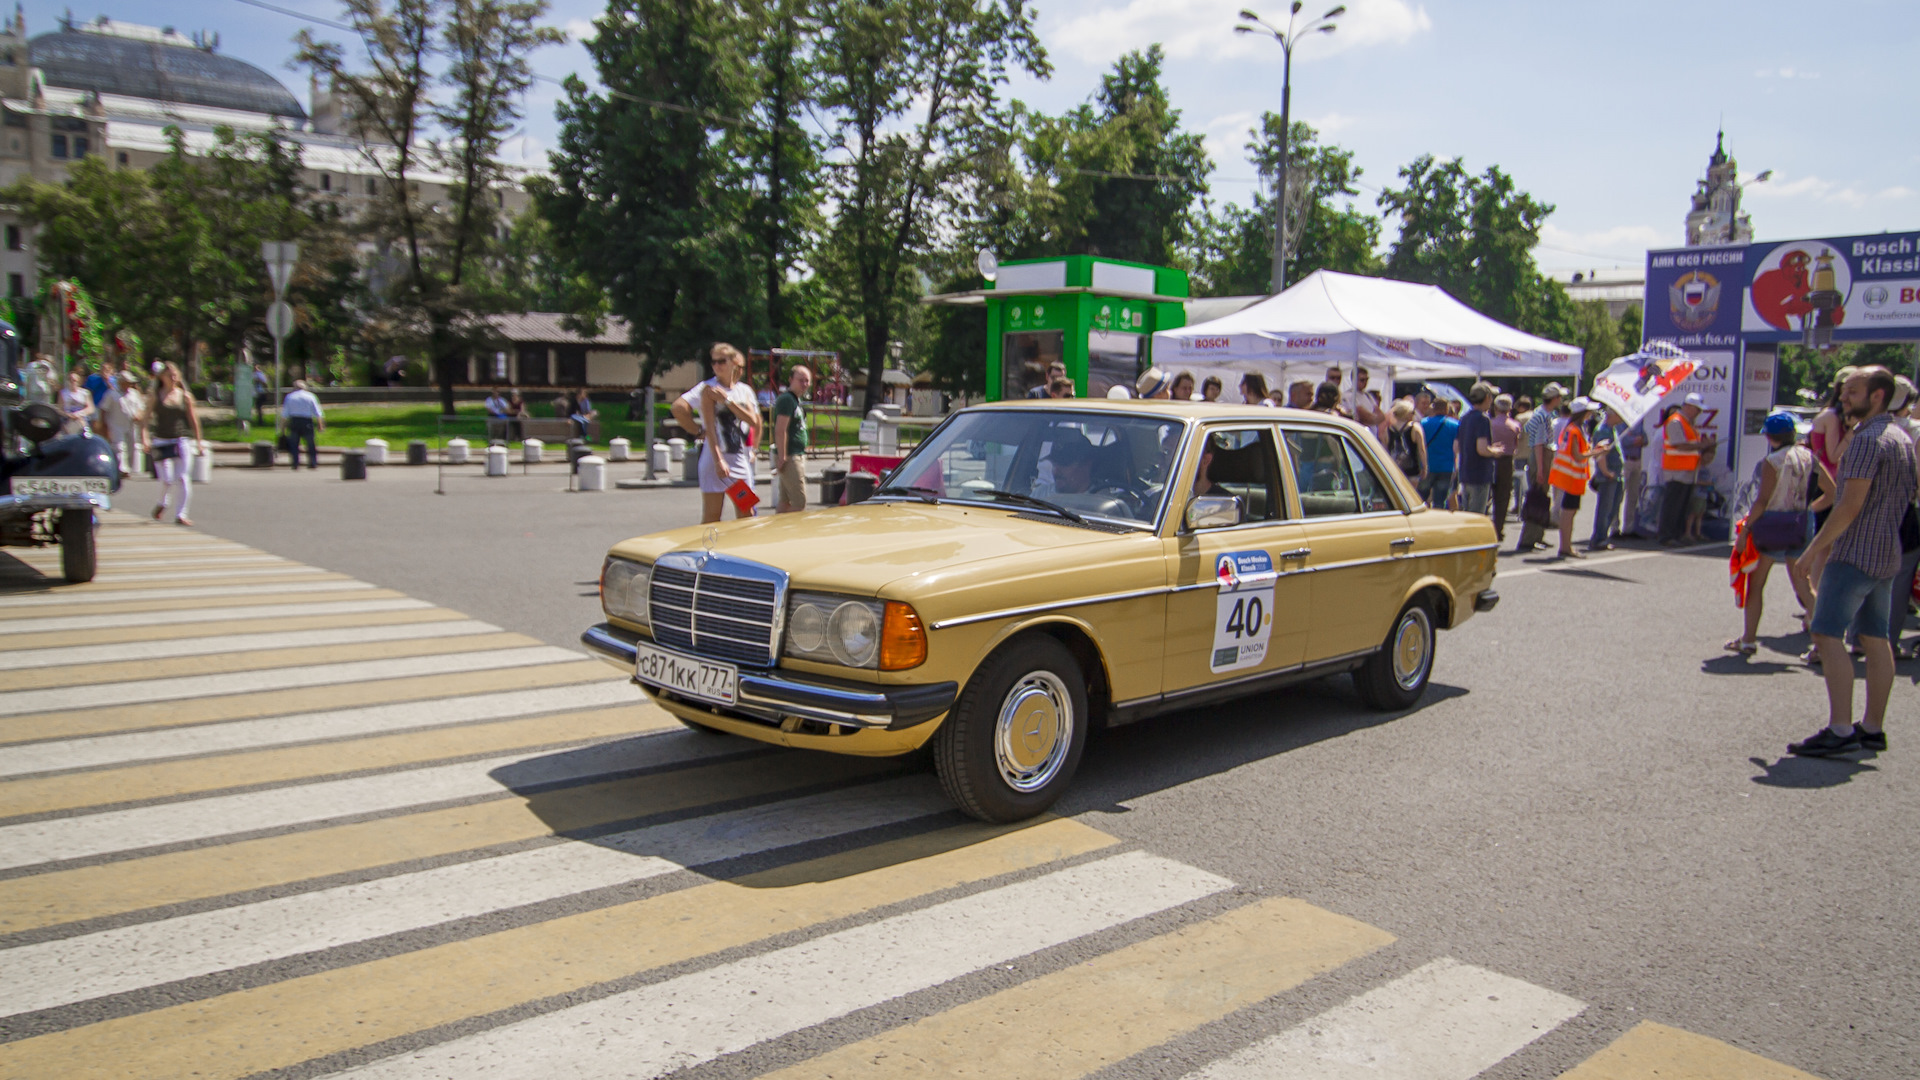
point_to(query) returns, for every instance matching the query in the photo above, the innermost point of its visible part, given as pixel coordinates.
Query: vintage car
(1035, 570)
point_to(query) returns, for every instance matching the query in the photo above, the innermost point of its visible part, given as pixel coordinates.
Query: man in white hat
(1680, 462)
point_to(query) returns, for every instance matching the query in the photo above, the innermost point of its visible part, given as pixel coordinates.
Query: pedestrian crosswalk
(249, 824)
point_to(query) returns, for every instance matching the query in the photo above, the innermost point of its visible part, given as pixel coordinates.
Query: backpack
(1400, 448)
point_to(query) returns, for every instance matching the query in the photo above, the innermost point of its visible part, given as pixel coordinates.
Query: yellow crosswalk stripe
(116, 634)
(1652, 1051)
(74, 722)
(267, 658)
(283, 1024)
(90, 892)
(127, 607)
(1086, 1017)
(101, 787)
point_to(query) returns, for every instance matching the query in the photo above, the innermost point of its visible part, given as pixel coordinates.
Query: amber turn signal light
(903, 641)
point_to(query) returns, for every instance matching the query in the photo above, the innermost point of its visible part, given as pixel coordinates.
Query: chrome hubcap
(1033, 732)
(1411, 651)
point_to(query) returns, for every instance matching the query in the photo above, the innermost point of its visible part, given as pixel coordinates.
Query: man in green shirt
(789, 447)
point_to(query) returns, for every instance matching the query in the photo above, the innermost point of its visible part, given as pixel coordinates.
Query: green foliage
(653, 199)
(1806, 375)
(1334, 236)
(910, 86)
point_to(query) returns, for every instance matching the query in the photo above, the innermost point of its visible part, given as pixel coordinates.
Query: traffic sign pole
(280, 255)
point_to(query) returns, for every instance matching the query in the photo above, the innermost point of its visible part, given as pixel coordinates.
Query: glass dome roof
(79, 60)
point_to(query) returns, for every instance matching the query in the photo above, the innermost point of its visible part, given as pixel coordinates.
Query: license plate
(61, 485)
(703, 679)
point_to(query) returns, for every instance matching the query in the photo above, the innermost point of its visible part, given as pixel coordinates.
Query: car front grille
(715, 614)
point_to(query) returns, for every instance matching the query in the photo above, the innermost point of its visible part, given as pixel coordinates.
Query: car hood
(863, 548)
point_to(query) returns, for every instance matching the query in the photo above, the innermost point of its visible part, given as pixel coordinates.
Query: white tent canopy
(1404, 330)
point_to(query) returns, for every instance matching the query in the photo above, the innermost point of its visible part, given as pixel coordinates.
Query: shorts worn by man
(1877, 484)
(789, 449)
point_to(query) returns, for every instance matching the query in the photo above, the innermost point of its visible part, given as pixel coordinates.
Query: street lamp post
(1253, 24)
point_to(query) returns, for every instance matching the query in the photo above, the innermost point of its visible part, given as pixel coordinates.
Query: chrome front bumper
(771, 697)
(33, 504)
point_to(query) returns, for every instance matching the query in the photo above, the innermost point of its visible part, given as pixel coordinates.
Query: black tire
(78, 559)
(1396, 676)
(989, 768)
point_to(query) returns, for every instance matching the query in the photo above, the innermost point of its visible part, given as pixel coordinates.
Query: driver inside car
(1072, 461)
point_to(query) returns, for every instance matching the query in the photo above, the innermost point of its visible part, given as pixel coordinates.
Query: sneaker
(1872, 740)
(1824, 743)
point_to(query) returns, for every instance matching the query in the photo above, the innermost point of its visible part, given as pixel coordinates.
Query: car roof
(1183, 410)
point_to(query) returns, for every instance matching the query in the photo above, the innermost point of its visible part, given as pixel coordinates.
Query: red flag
(744, 500)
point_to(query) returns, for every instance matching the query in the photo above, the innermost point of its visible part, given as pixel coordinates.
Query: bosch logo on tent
(1201, 344)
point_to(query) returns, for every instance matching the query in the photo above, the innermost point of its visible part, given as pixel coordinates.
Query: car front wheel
(1396, 676)
(1012, 743)
(78, 559)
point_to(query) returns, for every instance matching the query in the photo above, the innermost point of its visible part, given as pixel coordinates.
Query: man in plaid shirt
(1877, 481)
(1541, 429)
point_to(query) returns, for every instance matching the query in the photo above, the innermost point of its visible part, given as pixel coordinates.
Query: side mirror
(1214, 511)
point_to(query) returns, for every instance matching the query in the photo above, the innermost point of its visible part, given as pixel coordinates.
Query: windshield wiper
(1041, 504)
(925, 495)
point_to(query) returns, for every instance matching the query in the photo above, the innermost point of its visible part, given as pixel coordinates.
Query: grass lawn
(353, 425)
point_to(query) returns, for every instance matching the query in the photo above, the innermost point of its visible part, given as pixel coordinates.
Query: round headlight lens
(854, 633)
(808, 630)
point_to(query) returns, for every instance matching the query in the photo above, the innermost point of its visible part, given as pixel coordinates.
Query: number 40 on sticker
(1248, 617)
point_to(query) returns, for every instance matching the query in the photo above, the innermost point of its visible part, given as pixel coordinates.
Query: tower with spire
(1716, 217)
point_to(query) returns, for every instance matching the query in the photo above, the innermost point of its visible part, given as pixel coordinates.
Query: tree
(1333, 234)
(910, 86)
(1474, 236)
(649, 191)
(785, 156)
(483, 46)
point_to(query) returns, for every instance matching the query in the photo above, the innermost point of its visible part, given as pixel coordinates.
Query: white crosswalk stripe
(172, 648)
(681, 1022)
(111, 566)
(220, 573)
(148, 954)
(319, 606)
(1444, 1021)
(198, 592)
(101, 750)
(88, 835)
(178, 688)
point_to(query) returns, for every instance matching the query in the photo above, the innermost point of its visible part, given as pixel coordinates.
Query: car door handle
(1405, 541)
(1297, 553)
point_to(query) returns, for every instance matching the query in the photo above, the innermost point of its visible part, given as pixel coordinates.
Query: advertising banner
(1633, 386)
(1693, 296)
(1848, 288)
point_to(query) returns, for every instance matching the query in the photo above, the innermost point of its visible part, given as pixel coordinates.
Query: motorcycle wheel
(78, 559)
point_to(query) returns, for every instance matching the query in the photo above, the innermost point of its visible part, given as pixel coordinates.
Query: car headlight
(623, 590)
(854, 632)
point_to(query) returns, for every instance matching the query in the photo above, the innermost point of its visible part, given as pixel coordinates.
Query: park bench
(544, 428)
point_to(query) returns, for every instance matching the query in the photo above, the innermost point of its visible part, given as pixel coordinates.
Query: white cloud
(578, 29)
(1204, 28)
(1785, 73)
(1332, 122)
(1621, 243)
(1826, 191)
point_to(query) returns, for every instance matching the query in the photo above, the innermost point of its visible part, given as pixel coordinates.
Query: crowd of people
(158, 418)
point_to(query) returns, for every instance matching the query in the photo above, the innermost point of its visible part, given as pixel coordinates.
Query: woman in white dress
(729, 427)
(76, 404)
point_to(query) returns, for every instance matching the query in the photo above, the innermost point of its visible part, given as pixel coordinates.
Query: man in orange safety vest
(1573, 455)
(1680, 461)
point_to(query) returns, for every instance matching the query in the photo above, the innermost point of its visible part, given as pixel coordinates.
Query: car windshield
(1095, 465)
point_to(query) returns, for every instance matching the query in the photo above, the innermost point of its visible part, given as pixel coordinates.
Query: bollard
(833, 485)
(860, 486)
(497, 460)
(676, 449)
(457, 451)
(263, 455)
(376, 453)
(201, 471)
(417, 452)
(690, 464)
(593, 472)
(530, 451)
(353, 464)
(577, 450)
(658, 461)
(619, 450)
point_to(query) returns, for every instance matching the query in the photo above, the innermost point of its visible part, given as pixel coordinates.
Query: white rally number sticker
(1243, 619)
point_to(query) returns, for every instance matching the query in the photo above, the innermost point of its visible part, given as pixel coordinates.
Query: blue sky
(1605, 110)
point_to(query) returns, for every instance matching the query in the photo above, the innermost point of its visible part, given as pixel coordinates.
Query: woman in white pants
(170, 418)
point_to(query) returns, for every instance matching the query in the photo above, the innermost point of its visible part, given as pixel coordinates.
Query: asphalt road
(1592, 798)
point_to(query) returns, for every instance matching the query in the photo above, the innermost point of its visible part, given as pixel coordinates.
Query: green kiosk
(1097, 316)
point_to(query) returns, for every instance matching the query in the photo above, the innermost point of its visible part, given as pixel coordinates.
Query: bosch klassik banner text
(1848, 288)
